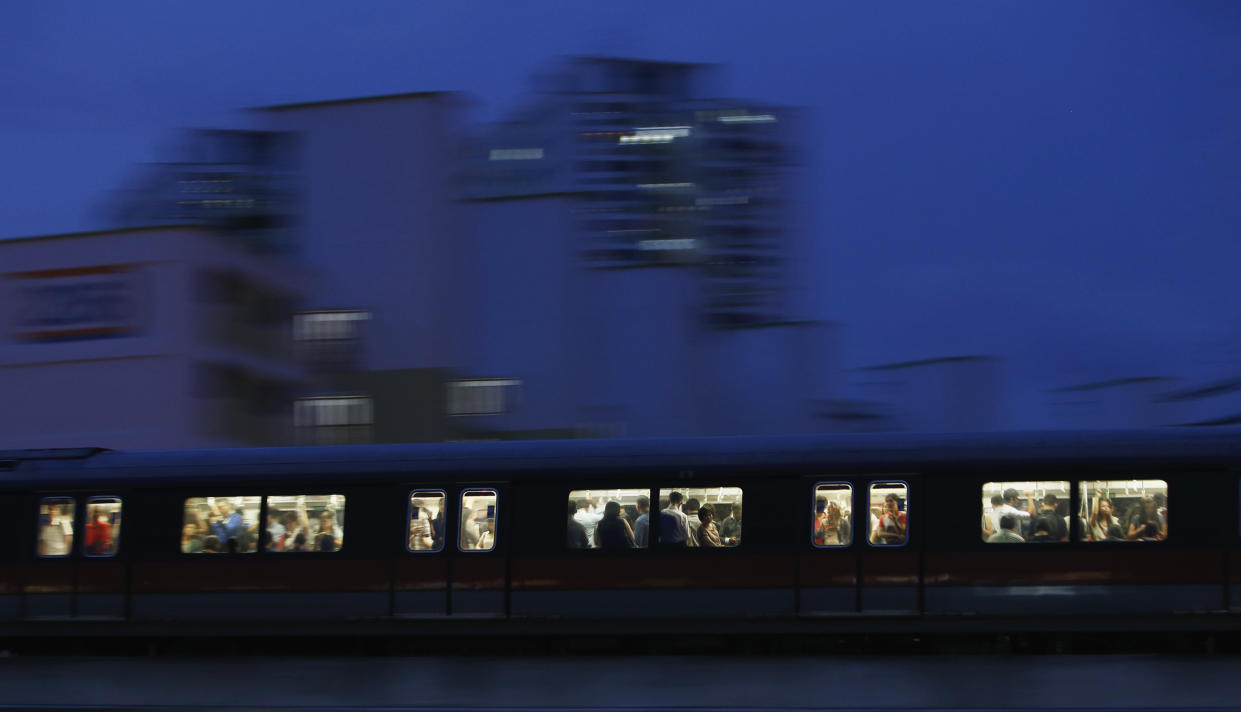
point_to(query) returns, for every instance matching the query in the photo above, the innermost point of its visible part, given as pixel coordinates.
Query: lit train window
(426, 520)
(832, 525)
(698, 516)
(102, 536)
(478, 520)
(889, 514)
(305, 522)
(1123, 510)
(1025, 512)
(55, 526)
(609, 519)
(220, 525)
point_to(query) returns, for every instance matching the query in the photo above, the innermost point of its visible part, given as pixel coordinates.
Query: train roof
(894, 452)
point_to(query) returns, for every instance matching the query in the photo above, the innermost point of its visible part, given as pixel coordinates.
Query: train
(805, 534)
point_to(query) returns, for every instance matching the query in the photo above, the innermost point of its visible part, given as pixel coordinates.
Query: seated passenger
(613, 532)
(1008, 531)
(1145, 523)
(708, 536)
(577, 532)
(211, 545)
(890, 527)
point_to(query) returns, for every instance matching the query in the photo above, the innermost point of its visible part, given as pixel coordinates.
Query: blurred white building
(162, 337)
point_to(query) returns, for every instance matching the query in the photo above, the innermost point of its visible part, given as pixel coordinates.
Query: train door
(888, 564)
(101, 585)
(48, 574)
(828, 562)
(421, 574)
(478, 566)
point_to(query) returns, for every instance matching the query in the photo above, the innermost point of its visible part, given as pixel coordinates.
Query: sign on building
(75, 303)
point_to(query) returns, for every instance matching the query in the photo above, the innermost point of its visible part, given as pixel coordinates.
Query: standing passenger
(588, 517)
(673, 525)
(98, 533)
(577, 532)
(642, 526)
(890, 529)
(421, 535)
(730, 528)
(613, 532)
(707, 534)
(691, 516)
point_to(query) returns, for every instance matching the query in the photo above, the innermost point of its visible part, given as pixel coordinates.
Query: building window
(103, 526)
(55, 526)
(1124, 510)
(329, 325)
(483, 396)
(333, 420)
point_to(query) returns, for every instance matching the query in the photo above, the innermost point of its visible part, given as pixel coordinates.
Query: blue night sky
(1056, 183)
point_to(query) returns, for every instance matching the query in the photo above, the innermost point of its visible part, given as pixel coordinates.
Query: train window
(305, 522)
(889, 514)
(426, 520)
(55, 526)
(478, 520)
(1032, 511)
(103, 526)
(609, 519)
(833, 515)
(220, 525)
(699, 516)
(1123, 510)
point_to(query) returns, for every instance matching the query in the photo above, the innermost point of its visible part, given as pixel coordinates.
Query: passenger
(437, 529)
(233, 545)
(988, 524)
(691, 516)
(1054, 524)
(588, 517)
(328, 526)
(1101, 520)
(249, 539)
(292, 527)
(1009, 506)
(191, 540)
(730, 528)
(98, 533)
(613, 532)
(1008, 531)
(1145, 523)
(299, 543)
(673, 525)
(56, 537)
(642, 525)
(1161, 502)
(211, 545)
(577, 532)
(421, 533)
(225, 522)
(1041, 532)
(819, 527)
(708, 536)
(487, 540)
(275, 530)
(890, 530)
(327, 542)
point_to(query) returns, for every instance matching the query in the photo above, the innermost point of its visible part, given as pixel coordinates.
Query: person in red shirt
(98, 533)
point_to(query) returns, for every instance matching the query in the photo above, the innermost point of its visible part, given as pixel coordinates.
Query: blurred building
(158, 337)
(961, 393)
(635, 243)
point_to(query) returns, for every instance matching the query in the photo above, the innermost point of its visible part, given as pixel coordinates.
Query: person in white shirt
(1010, 507)
(588, 517)
(56, 539)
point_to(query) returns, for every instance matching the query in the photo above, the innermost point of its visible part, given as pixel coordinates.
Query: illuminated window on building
(332, 325)
(305, 522)
(333, 420)
(1031, 511)
(483, 396)
(1124, 510)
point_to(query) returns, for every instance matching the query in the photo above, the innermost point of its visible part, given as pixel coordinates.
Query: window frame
(86, 511)
(461, 520)
(814, 492)
(39, 526)
(908, 498)
(409, 518)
